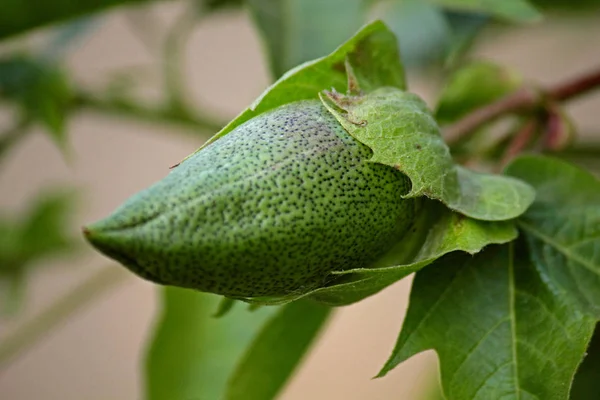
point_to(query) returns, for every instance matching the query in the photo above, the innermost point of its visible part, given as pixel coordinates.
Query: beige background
(96, 354)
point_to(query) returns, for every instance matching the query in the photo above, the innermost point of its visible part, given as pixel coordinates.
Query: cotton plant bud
(270, 209)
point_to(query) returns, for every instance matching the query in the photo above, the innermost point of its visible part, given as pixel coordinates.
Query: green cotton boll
(270, 209)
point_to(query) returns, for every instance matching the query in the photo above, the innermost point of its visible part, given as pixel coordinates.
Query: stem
(32, 331)
(153, 114)
(524, 100)
(174, 52)
(576, 87)
(520, 141)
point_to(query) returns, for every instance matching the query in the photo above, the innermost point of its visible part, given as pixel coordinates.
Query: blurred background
(108, 150)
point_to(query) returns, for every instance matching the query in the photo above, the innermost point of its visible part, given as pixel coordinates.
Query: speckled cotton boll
(268, 210)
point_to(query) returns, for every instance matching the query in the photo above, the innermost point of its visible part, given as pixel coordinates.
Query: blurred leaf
(585, 154)
(41, 89)
(18, 16)
(421, 27)
(296, 31)
(12, 292)
(276, 351)
(585, 383)
(373, 52)
(465, 27)
(44, 229)
(562, 227)
(192, 354)
(567, 5)
(498, 330)
(213, 5)
(427, 33)
(512, 10)
(40, 233)
(65, 36)
(475, 85)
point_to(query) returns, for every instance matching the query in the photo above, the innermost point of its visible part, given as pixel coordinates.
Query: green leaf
(474, 85)
(276, 351)
(562, 227)
(403, 134)
(373, 52)
(437, 231)
(585, 383)
(12, 292)
(465, 31)
(499, 332)
(40, 233)
(567, 5)
(18, 16)
(214, 5)
(45, 228)
(41, 89)
(66, 36)
(192, 354)
(421, 27)
(511, 10)
(428, 34)
(296, 31)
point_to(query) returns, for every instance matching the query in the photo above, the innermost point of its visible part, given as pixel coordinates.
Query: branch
(150, 113)
(576, 87)
(31, 331)
(520, 141)
(522, 101)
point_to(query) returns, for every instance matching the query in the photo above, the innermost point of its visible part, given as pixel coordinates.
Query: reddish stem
(523, 100)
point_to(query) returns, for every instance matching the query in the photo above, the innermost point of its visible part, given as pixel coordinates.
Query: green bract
(331, 199)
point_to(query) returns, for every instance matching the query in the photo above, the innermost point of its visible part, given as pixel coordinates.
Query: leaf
(12, 292)
(585, 383)
(499, 332)
(436, 232)
(511, 10)
(429, 34)
(421, 27)
(192, 354)
(66, 36)
(18, 16)
(41, 89)
(45, 228)
(403, 134)
(296, 31)
(562, 227)
(572, 6)
(472, 86)
(276, 351)
(214, 5)
(40, 233)
(465, 27)
(374, 55)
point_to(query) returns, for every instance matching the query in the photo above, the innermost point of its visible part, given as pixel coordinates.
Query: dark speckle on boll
(268, 210)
